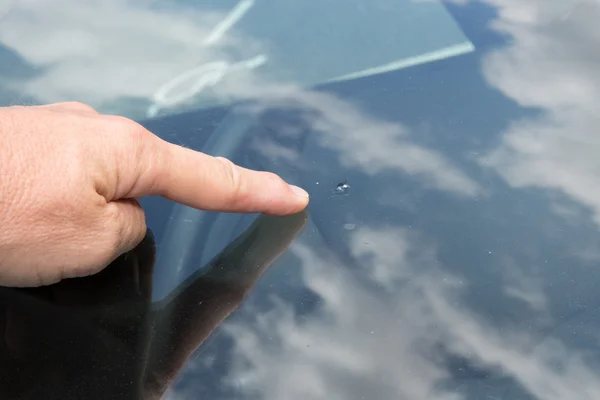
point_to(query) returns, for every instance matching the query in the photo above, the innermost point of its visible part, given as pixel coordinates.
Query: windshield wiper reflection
(102, 337)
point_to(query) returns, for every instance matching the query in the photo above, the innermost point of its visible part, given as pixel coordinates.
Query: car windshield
(451, 246)
(144, 59)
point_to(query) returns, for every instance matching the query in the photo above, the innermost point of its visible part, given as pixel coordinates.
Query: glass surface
(451, 246)
(147, 58)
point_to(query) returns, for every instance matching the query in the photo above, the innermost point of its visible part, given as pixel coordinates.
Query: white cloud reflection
(377, 331)
(362, 141)
(365, 342)
(361, 343)
(368, 343)
(102, 52)
(551, 65)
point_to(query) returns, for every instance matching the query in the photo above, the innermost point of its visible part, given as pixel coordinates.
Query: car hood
(449, 251)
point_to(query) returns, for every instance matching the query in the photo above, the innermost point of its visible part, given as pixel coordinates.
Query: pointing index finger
(215, 183)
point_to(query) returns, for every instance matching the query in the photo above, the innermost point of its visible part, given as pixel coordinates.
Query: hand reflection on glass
(102, 337)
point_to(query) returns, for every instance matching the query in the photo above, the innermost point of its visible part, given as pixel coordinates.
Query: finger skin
(213, 183)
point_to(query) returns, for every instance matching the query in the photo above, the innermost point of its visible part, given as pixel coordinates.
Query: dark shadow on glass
(102, 337)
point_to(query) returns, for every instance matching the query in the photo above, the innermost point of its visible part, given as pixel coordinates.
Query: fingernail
(299, 191)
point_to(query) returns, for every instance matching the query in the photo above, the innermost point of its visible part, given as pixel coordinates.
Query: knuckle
(75, 105)
(129, 226)
(135, 135)
(272, 181)
(114, 232)
(139, 226)
(234, 181)
(271, 177)
(133, 131)
(81, 106)
(125, 124)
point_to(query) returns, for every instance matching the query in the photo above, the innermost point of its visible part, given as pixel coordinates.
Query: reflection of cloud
(524, 284)
(533, 367)
(103, 52)
(552, 65)
(364, 142)
(361, 344)
(98, 52)
(367, 343)
(5, 7)
(386, 253)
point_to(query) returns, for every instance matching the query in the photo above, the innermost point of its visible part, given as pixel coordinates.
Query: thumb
(128, 227)
(122, 226)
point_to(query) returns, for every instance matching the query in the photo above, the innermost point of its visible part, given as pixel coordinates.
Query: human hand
(70, 177)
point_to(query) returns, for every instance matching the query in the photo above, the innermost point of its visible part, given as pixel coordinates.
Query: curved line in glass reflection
(198, 79)
(185, 225)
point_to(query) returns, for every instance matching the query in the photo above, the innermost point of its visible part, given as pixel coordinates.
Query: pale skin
(70, 177)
